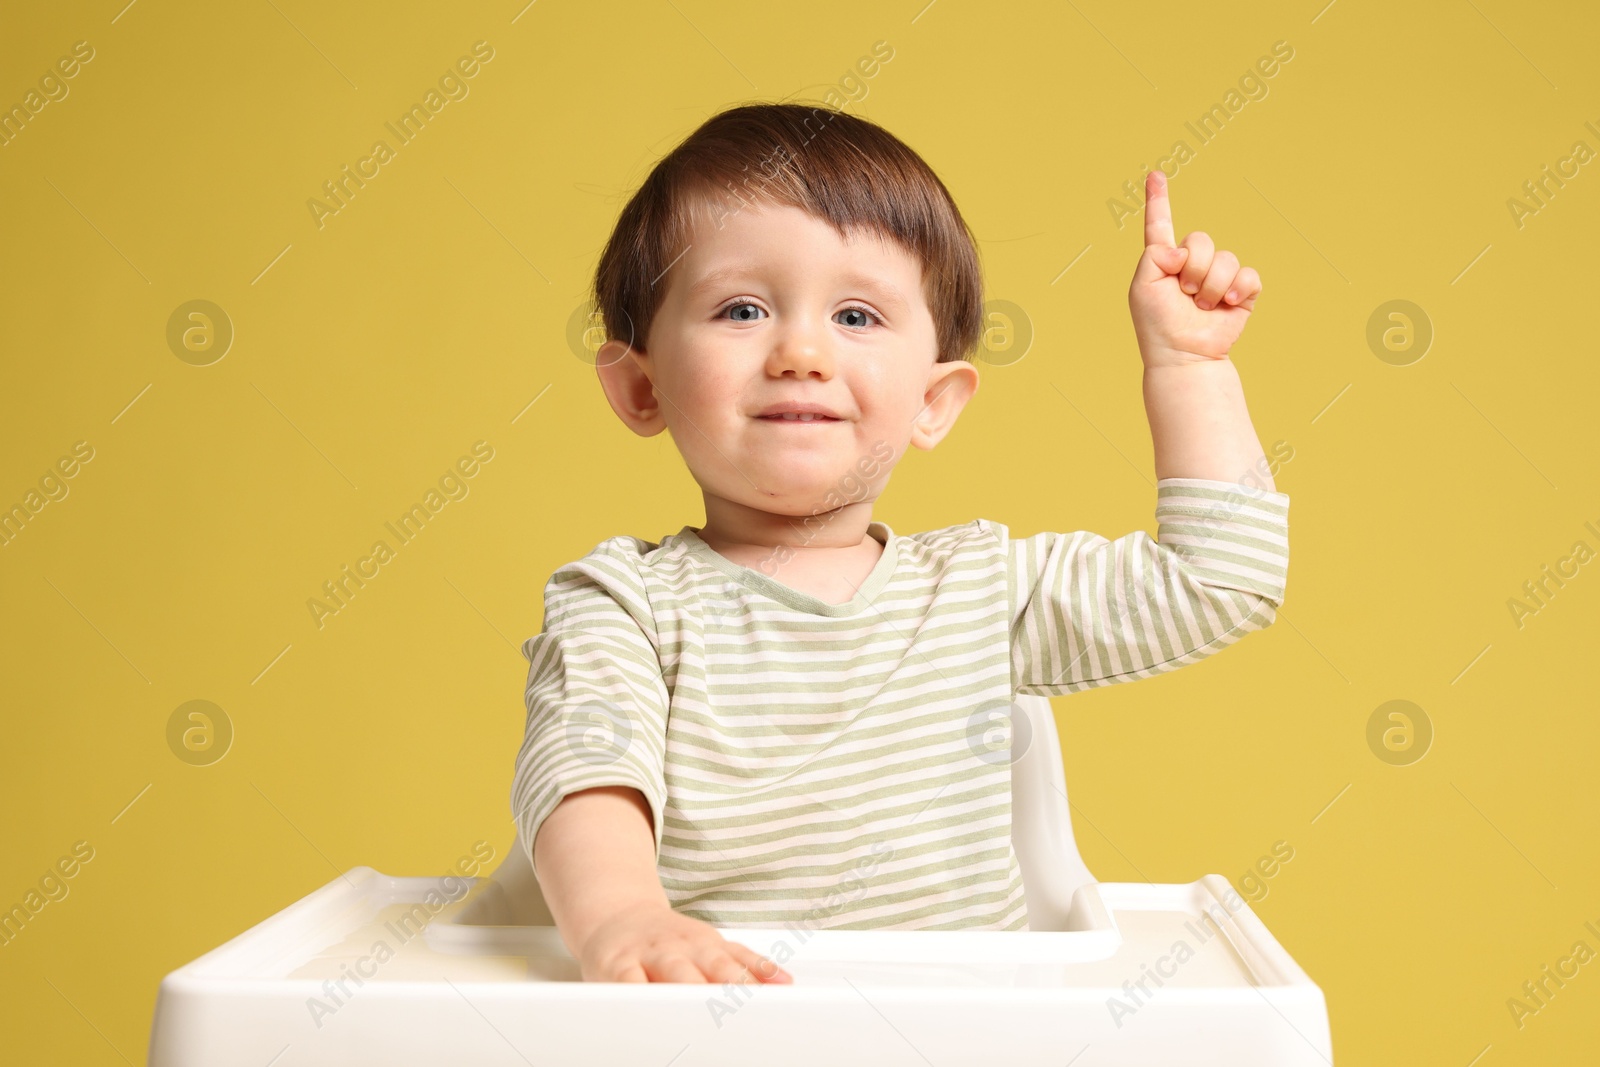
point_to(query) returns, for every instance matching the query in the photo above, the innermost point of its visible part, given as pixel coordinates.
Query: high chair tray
(379, 970)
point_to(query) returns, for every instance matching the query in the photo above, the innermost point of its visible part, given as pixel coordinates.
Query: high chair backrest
(1041, 832)
(1041, 818)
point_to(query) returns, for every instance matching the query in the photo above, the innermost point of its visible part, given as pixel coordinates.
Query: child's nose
(802, 348)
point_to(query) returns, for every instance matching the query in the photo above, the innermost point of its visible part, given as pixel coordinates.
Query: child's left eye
(862, 311)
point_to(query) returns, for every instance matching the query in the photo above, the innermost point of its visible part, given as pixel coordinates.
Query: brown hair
(842, 169)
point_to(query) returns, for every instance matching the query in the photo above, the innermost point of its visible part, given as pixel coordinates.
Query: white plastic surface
(1109, 974)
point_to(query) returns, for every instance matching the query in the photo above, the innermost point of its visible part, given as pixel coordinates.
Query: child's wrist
(1199, 421)
(597, 918)
(1161, 357)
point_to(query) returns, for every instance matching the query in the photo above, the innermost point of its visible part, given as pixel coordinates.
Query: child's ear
(950, 386)
(625, 376)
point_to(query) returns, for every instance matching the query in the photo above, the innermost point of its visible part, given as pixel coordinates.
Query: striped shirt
(848, 765)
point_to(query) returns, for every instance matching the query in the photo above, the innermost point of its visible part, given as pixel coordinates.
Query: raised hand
(1189, 301)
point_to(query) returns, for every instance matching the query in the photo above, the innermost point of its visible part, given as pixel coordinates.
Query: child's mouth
(796, 418)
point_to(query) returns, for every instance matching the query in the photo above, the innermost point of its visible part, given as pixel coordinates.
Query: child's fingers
(1244, 290)
(719, 965)
(1199, 262)
(763, 968)
(673, 966)
(1224, 266)
(1170, 260)
(1157, 210)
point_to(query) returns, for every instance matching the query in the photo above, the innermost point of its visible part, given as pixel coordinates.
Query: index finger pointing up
(1157, 211)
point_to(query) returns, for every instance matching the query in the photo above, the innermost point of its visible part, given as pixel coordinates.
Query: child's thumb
(1157, 262)
(1170, 259)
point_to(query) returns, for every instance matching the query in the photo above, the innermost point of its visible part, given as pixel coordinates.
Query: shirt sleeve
(596, 698)
(1087, 611)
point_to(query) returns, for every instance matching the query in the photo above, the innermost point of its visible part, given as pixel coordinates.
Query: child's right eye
(740, 317)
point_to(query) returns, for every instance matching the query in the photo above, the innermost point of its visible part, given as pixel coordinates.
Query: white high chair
(1110, 974)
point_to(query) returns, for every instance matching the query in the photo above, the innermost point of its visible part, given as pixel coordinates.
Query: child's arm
(1088, 611)
(1189, 305)
(598, 857)
(588, 790)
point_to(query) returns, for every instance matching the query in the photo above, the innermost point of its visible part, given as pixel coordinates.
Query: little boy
(791, 714)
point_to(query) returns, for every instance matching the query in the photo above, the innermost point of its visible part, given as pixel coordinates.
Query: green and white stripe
(844, 765)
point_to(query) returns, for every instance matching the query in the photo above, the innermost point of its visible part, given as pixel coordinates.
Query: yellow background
(427, 314)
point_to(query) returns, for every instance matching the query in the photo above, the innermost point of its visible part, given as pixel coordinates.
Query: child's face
(802, 315)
